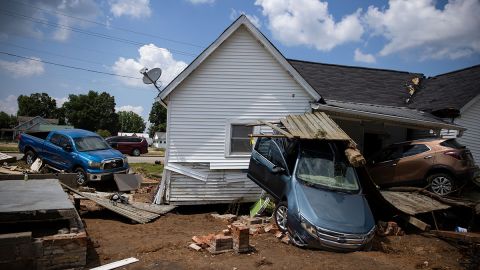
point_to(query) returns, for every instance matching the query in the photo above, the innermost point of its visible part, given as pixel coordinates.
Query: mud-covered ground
(163, 244)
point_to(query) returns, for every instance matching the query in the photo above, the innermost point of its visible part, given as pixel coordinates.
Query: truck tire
(136, 152)
(30, 157)
(81, 177)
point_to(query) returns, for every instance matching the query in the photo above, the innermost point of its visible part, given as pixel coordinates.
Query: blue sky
(122, 36)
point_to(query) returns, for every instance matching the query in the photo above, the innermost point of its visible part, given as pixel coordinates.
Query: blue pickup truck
(74, 150)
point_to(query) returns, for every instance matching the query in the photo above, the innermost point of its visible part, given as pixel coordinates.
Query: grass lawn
(8, 147)
(148, 169)
(160, 152)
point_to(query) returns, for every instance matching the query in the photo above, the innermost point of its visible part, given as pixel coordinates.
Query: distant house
(160, 140)
(242, 77)
(37, 123)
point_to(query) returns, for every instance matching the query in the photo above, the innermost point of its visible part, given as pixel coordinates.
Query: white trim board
(241, 21)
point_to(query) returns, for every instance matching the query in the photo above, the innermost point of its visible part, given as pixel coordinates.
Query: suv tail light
(454, 154)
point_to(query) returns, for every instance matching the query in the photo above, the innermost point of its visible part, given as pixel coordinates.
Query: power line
(109, 26)
(86, 32)
(71, 67)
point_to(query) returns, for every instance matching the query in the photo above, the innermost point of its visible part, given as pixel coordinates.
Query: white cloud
(308, 22)
(23, 67)
(197, 2)
(132, 8)
(253, 18)
(151, 56)
(129, 108)
(451, 32)
(364, 57)
(9, 104)
(60, 101)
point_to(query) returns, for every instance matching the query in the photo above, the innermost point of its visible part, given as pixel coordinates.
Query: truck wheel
(281, 216)
(30, 157)
(81, 176)
(441, 183)
(136, 152)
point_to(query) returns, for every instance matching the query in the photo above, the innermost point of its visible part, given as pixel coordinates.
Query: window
(275, 156)
(239, 139)
(263, 146)
(390, 153)
(414, 149)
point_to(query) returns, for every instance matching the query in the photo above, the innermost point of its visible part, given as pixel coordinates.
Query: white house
(242, 77)
(160, 140)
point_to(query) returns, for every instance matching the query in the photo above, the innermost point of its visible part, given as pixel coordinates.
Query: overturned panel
(413, 203)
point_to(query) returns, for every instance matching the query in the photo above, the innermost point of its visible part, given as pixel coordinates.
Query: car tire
(441, 183)
(136, 152)
(81, 176)
(30, 157)
(280, 216)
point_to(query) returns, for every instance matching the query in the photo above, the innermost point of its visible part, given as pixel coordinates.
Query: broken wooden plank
(291, 128)
(281, 131)
(302, 126)
(116, 264)
(468, 237)
(416, 222)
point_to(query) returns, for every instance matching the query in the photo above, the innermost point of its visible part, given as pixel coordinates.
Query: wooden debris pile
(237, 235)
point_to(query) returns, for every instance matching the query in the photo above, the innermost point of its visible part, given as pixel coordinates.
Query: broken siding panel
(471, 137)
(222, 186)
(239, 81)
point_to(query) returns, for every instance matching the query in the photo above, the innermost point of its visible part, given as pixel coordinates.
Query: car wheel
(280, 214)
(136, 152)
(81, 176)
(441, 183)
(30, 157)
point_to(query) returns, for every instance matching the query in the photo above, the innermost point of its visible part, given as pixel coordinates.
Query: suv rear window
(452, 143)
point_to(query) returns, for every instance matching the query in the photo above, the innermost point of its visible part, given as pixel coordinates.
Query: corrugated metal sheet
(413, 203)
(222, 186)
(240, 81)
(470, 119)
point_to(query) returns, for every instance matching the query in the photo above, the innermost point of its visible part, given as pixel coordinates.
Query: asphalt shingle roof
(356, 84)
(449, 90)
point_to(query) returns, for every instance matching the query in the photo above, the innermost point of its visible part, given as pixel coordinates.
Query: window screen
(414, 149)
(239, 140)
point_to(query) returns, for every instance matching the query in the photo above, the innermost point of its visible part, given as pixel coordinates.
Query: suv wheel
(30, 157)
(81, 176)
(281, 216)
(441, 183)
(136, 152)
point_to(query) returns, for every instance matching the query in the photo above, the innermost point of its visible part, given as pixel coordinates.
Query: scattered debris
(227, 218)
(4, 158)
(195, 247)
(389, 228)
(116, 264)
(36, 165)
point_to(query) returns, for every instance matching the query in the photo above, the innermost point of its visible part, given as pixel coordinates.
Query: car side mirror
(68, 147)
(278, 170)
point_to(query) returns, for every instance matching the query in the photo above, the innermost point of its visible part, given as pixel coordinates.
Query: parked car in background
(74, 150)
(443, 164)
(319, 198)
(131, 145)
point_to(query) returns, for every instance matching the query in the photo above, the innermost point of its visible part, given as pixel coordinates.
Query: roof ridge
(357, 67)
(454, 71)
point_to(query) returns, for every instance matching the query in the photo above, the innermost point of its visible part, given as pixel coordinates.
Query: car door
(65, 157)
(383, 168)
(277, 172)
(414, 163)
(259, 162)
(50, 150)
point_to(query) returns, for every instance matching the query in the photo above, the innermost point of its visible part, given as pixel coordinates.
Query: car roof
(75, 133)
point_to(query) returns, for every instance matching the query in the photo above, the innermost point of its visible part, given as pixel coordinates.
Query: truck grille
(112, 164)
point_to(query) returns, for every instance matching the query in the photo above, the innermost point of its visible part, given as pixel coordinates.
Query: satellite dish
(151, 76)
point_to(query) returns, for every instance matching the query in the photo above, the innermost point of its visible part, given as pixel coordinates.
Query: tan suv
(444, 164)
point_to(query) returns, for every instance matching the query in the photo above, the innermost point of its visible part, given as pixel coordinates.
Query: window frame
(228, 138)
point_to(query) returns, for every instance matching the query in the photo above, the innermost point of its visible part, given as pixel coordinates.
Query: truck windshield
(319, 168)
(90, 144)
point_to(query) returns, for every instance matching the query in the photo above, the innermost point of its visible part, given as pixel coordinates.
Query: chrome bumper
(102, 176)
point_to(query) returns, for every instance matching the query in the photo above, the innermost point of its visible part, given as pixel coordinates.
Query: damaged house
(241, 77)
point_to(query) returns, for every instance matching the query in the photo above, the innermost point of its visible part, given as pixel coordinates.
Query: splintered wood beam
(274, 127)
(259, 123)
(266, 135)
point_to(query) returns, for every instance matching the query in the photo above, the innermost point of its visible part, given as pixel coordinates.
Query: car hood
(100, 155)
(332, 210)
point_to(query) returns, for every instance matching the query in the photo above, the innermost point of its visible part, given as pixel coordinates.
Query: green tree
(131, 122)
(92, 111)
(104, 133)
(157, 118)
(37, 104)
(7, 121)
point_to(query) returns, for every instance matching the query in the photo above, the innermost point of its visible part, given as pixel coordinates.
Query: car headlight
(308, 227)
(93, 164)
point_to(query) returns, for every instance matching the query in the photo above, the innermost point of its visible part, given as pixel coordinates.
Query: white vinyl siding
(240, 80)
(470, 119)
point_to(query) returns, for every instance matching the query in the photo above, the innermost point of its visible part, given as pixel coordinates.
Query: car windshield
(319, 168)
(90, 144)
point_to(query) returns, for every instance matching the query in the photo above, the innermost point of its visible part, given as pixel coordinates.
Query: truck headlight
(93, 164)
(125, 161)
(308, 227)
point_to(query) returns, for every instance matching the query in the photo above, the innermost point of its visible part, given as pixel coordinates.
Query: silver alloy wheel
(281, 217)
(29, 159)
(441, 185)
(80, 178)
(136, 152)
